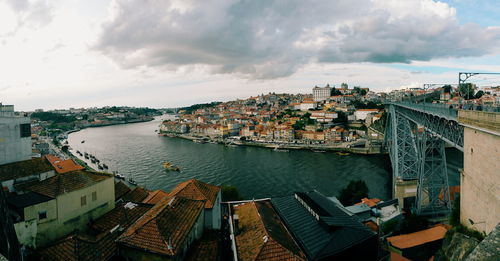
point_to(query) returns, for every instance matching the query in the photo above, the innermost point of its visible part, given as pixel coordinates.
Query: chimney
(236, 224)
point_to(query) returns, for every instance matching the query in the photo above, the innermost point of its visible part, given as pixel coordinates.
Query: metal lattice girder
(433, 196)
(439, 122)
(402, 146)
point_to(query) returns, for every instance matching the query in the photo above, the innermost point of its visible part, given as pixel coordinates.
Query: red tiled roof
(371, 202)
(67, 182)
(24, 168)
(138, 194)
(418, 238)
(163, 229)
(121, 189)
(63, 166)
(263, 236)
(100, 245)
(205, 249)
(197, 190)
(155, 196)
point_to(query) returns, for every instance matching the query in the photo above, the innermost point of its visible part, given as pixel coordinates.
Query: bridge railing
(443, 110)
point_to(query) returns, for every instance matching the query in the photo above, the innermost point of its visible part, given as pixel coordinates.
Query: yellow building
(54, 207)
(480, 179)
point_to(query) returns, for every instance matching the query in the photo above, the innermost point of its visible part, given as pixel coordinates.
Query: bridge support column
(433, 196)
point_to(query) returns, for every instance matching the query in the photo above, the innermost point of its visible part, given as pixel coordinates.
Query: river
(136, 151)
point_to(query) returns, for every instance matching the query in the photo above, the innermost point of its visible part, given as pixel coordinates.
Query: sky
(169, 53)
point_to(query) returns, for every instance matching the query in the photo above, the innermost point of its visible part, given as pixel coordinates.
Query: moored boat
(343, 153)
(168, 166)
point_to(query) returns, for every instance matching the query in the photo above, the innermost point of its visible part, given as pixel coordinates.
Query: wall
(72, 216)
(12, 147)
(480, 180)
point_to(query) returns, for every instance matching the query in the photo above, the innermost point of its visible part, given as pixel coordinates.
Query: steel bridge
(415, 135)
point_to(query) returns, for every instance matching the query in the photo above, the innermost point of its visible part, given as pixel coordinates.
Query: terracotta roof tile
(197, 190)
(168, 222)
(155, 196)
(371, 202)
(138, 194)
(121, 189)
(100, 245)
(262, 234)
(418, 238)
(205, 249)
(67, 182)
(24, 168)
(63, 166)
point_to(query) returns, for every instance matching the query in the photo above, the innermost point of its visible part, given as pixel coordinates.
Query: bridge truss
(415, 138)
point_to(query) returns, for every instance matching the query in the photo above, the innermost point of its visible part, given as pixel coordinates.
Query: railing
(442, 110)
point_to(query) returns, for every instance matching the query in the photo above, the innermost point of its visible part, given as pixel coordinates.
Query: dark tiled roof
(334, 232)
(205, 249)
(67, 182)
(164, 228)
(99, 243)
(24, 168)
(27, 199)
(121, 189)
(138, 194)
(262, 235)
(197, 190)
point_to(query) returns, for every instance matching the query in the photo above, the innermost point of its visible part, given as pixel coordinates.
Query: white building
(15, 135)
(321, 94)
(306, 105)
(324, 116)
(362, 113)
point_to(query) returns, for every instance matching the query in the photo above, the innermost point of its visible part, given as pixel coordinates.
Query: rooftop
(63, 166)
(262, 234)
(27, 199)
(67, 182)
(121, 189)
(138, 194)
(197, 190)
(163, 229)
(155, 196)
(320, 225)
(418, 238)
(24, 168)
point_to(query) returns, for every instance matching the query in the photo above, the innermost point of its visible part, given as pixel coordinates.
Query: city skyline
(63, 54)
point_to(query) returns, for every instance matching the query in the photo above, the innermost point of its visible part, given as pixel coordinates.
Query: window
(25, 130)
(94, 196)
(42, 214)
(83, 200)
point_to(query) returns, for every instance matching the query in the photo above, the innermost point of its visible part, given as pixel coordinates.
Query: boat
(99, 166)
(86, 155)
(82, 141)
(318, 151)
(118, 176)
(199, 141)
(92, 160)
(131, 181)
(105, 166)
(343, 153)
(167, 165)
(78, 152)
(277, 149)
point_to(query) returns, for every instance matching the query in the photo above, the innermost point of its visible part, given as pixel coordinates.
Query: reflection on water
(136, 151)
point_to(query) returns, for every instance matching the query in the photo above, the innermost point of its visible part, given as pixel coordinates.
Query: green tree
(230, 193)
(466, 90)
(447, 88)
(362, 92)
(353, 192)
(335, 92)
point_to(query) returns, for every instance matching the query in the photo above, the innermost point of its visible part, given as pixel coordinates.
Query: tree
(230, 193)
(467, 90)
(353, 193)
(335, 92)
(362, 92)
(447, 88)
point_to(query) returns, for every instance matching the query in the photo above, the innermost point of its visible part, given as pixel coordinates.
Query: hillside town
(329, 118)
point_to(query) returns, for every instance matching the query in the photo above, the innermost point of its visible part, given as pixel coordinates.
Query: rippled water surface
(136, 151)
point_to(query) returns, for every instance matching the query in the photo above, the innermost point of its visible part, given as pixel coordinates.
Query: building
(54, 207)
(210, 194)
(308, 105)
(324, 230)
(15, 135)
(260, 234)
(480, 179)
(321, 94)
(419, 245)
(361, 114)
(14, 175)
(165, 232)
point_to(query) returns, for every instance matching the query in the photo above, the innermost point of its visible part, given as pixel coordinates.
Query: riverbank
(351, 147)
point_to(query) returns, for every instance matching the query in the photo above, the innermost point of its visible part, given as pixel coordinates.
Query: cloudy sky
(167, 53)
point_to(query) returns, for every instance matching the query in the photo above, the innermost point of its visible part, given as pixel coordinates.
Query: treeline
(195, 107)
(51, 116)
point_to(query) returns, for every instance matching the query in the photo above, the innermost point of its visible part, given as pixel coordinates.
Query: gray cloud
(272, 38)
(35, 13)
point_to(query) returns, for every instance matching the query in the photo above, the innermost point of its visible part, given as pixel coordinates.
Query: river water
(136, 151)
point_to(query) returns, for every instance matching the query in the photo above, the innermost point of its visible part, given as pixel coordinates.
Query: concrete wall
(480, 180)
(12, 147)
